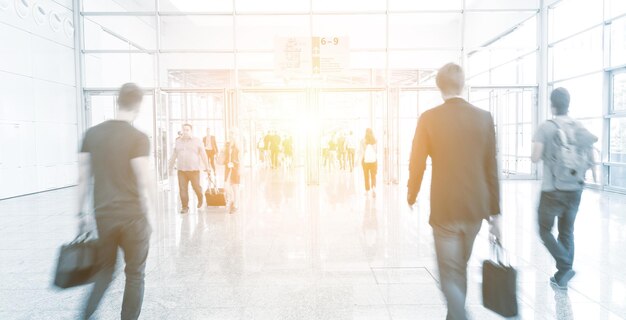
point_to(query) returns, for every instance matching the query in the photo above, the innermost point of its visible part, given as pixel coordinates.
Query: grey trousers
(132, 234)
(453, 245)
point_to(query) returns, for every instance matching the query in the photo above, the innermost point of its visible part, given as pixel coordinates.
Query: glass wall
(189, 47)
(587, 55)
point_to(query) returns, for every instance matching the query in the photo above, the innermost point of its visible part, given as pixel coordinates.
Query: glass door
(514, 111)
(352, 111)
(617, 132)
(267, 113)
(203, 110)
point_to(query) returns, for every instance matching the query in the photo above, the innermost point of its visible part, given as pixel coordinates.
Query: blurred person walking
(116, 156)
(566, 149)
(460, 139)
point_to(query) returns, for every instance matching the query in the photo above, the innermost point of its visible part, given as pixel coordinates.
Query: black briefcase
(500, 286)
(77, 263)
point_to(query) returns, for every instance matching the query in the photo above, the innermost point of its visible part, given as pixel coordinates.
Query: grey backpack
(573, 155)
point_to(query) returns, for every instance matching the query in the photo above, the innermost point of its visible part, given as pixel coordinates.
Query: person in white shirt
(369, 161)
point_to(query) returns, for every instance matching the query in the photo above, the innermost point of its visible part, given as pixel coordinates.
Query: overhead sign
(329, 54)
(292, 55)
(316, 55)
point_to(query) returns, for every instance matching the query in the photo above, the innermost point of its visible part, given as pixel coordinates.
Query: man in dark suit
(461, 141)
(210, 146)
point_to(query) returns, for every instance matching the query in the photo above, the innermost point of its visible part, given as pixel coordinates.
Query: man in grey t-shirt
(553, 203)
(116, 155)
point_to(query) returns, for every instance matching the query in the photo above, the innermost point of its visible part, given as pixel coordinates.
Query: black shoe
(184, 210)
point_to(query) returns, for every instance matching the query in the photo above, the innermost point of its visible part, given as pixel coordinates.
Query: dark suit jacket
(213, 143)
(461, 141)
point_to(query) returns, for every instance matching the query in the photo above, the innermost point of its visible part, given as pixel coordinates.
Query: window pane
(506, 74)
(260, 32)
(363, 31)
(185, 78)
(139, 31)
(349, 5)
(408, 104)
(484, 27)
(195, 6)
(618, 42)
(400, 5)
(585, 95)
(197, 32)
(96, 38)
(273, 6)
(617, 149)
(499, 4)
(367, 60)
(578, 55)
(424, 59)
(614, 8)
(173, 63)
(117, 6)
(571, 16)
(114, 69)
(619, 92)
(617, 177)
(416, 30)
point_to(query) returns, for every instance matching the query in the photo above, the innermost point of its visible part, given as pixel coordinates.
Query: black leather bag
(499, 285)
(77, 263)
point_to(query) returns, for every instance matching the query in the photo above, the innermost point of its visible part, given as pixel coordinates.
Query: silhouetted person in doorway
(116, 155)
(461, 141)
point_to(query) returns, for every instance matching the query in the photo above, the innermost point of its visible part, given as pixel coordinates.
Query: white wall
(38, 109)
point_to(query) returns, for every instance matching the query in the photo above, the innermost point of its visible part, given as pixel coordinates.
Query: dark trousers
(562, 205)
(211, 155)
(132, 234)
(453, 245)
(369, 173)
(184, 177)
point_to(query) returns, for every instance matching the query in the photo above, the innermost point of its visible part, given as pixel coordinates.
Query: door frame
(534, 124)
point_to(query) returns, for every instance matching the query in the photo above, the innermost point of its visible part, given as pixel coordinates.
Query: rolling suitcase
(213, 195)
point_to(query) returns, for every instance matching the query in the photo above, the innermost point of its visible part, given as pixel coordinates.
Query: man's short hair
(451, 79)
(188, 125)
(129, 97)
(559, 98)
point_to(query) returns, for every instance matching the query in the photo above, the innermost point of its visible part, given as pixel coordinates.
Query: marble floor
(325, 252)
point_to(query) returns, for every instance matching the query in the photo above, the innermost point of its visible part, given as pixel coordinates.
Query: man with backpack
(566, 149)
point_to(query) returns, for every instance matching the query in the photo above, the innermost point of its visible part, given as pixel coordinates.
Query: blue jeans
(453, 245)
(562, 205)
